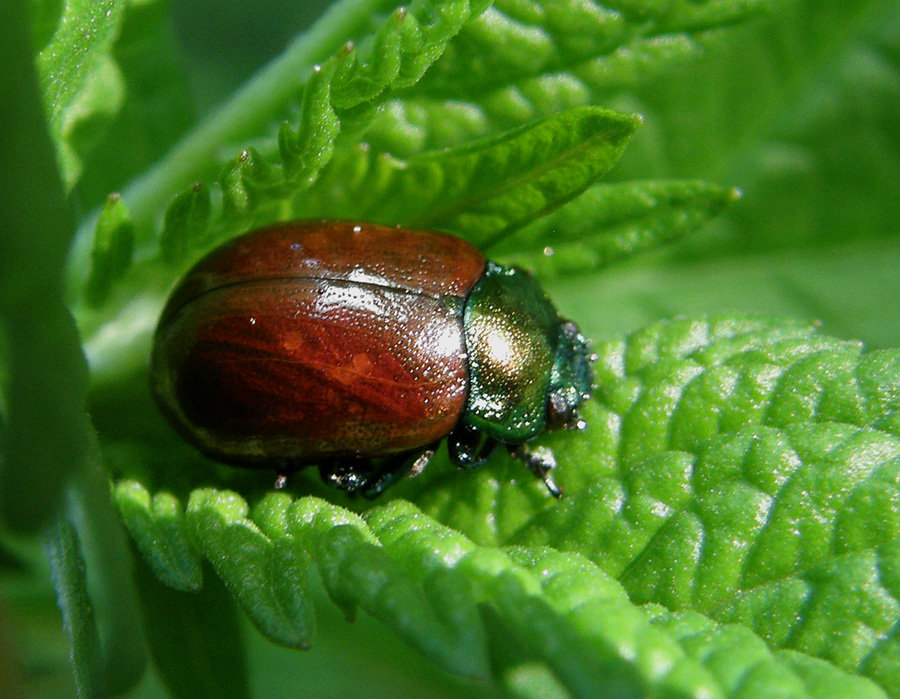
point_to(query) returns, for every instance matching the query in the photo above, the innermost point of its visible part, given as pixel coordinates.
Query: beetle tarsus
(396, 468)
(421, 461)
(284, 469)
(346, 474)
(540, 462)
(371, 478)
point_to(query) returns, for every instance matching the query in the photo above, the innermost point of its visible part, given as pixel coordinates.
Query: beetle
(359, 347)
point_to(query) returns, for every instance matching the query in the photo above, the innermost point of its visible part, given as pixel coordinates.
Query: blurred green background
(224, 43)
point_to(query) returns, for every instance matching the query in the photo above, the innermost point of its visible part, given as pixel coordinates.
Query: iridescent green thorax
(524, 360)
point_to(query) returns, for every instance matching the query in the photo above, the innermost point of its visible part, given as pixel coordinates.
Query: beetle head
(571, 378)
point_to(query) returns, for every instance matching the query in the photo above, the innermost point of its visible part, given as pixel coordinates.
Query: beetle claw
(540, 462)
(421, 461)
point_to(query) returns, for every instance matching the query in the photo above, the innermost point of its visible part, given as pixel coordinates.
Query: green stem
(248, 113)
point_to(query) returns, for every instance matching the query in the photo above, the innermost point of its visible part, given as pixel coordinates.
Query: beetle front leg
(468, 448)
(540, 462)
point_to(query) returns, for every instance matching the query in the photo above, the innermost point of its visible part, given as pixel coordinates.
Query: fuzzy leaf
(44, 428)
(414, 38)
(81, 83)
(194, 637)
(109, 590)
(268, 579)
(488, 188)
(113, 249)
(186, 223)
(306, 149)
(750, 476)
(611, 222)
(244, 180)
(516, 40)
(67, 564)
(158, 527)
(525, 60)
(453, 599)
(746, 668)
(157, 106)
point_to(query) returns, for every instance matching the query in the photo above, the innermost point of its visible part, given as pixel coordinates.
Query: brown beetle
(359, 347)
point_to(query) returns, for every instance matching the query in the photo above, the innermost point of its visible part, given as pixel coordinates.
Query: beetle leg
(284, 469)
(468, 448)
(540, 462)
(395, 468)
(346, 474)
(370, 478)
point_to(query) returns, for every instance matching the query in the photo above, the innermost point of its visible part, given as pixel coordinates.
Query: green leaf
(158, 527)
(45, 429)
(611, 222)
(113, 249)
(750, 475)
(92, 579)
(186, 222)
(81, 82)
(267, 578)
(525, 60)
(307, 149)
(415, 38)
(157, 106)
(64, 552)
(244, 180)
(453, 600)
(517, 40)
(746, 668)
(488, 188)
(815, 155)
(194, 637)
(110, 588)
